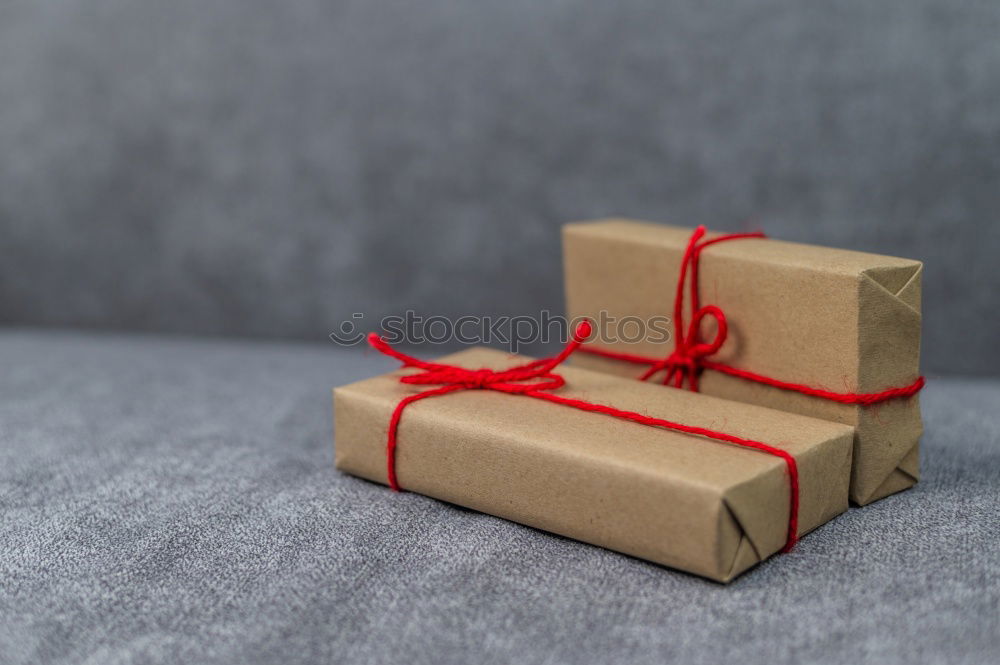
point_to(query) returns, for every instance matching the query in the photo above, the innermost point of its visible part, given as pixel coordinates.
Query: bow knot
(689, 354)
(677, 359)
(481, 378)
(451, 375)
(528, 379)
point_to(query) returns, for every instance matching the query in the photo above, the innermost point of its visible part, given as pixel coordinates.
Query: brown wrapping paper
(710, 508)
(840, 320)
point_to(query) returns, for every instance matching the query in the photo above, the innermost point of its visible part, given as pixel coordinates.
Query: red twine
(690, 355)
(535, 379)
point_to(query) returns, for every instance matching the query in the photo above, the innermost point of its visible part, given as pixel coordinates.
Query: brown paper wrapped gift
(690, 502)
(839, 320)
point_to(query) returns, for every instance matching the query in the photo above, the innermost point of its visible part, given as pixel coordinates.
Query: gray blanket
(164, 500)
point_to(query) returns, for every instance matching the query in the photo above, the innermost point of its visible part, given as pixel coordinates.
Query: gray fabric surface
(169, 500)
(252, 167)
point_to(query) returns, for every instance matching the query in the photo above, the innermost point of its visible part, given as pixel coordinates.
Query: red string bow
(536, 379)
(527, 379)
(688, 358)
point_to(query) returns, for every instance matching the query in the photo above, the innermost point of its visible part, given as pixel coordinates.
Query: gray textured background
(174, 501)
(262, 168)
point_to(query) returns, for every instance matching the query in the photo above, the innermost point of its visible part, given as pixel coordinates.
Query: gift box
(648, 473)
(828, 333)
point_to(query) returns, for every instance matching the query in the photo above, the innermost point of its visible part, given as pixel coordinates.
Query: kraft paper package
(686, 501)
(838, 320)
